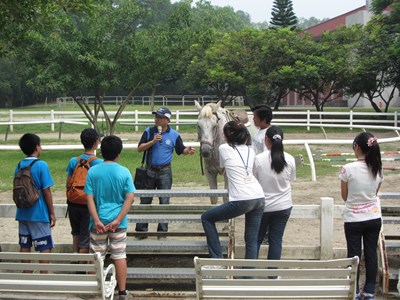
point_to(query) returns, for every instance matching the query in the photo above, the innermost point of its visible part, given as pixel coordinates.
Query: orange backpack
(75, 193)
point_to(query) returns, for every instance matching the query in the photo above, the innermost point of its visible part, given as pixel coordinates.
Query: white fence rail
(163, 100)
(135, 118)
(326, 212)
(138, 118)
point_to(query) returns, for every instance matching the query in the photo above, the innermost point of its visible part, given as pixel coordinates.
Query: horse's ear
(197, 105)
(218, 105)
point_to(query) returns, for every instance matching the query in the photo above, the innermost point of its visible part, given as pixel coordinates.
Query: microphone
(159, 128)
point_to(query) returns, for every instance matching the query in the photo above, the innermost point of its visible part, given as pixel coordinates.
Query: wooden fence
(325, 212)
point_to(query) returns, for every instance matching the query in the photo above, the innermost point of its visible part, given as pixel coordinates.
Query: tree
(243, 63)
(283, 14)
(115, 46)
(84, 53)
(304, 23)
(393, 18)
(322, 70)
(161, 51)
(12, 82)
(391, 21)
(17, 17)
(375, 68)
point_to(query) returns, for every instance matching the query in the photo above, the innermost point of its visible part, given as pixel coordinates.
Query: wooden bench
(66, 275)
(276, 279)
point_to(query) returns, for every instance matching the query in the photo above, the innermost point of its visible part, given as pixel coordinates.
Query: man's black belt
(159, 168)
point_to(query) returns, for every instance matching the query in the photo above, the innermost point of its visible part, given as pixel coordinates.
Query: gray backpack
(25, 193)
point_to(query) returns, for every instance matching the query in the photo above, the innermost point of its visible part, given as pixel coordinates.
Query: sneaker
(358, 296)
(367, 296)
(125, 297)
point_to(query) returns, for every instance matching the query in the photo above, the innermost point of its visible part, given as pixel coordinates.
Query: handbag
(141, 177)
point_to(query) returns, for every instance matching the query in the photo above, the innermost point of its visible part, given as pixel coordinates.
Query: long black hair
(370, 148)
(275, 135)
(236, 133)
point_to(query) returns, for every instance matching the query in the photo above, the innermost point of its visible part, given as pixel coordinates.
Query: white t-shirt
(251, 128)
(242, 183)
(276, 187)
(362, 203)
(258, 142)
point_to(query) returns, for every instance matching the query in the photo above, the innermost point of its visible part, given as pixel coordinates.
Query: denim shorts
(37, 234)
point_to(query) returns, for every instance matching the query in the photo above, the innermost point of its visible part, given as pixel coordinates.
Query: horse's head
(210, 123)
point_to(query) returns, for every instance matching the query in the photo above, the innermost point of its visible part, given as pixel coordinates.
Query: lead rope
(201, 163)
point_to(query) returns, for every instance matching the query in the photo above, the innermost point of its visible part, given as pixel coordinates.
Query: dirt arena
(299, 231)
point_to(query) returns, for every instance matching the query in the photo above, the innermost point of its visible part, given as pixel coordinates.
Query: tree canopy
(99, 47)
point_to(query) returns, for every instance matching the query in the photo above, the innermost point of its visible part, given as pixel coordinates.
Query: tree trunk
(374, 106)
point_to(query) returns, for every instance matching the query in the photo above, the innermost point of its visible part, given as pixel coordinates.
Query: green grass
(186, 169)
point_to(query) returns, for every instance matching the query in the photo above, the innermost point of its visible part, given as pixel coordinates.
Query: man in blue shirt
(160, 147)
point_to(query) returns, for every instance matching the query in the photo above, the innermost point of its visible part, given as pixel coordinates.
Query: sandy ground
(298, 232)
(305, 191)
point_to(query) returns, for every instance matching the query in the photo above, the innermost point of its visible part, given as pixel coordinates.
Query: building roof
(333, 23)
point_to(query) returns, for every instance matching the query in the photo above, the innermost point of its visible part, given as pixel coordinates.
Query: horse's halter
(228, 117)
(215, 133)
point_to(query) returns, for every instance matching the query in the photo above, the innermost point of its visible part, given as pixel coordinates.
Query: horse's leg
(212, 182)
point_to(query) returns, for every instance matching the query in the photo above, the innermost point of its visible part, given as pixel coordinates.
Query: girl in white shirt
(245, 193)
(360, 183)
(275, 169)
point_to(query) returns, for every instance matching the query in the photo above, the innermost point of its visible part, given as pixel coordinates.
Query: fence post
(311, 159)
(52, 119)
(326, 233)
(11, 119)
(177, 120)
(136, 121)
(308, 119)
(351, 120)
(395, 119)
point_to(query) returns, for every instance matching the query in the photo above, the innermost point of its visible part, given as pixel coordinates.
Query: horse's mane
(209, 108)
(207, 111)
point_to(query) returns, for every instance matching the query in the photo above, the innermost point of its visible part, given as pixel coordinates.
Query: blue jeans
(368, 232)
(162, 180)
(275, 223)
(253, 210)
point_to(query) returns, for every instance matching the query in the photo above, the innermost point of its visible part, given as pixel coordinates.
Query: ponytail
(275, 135)
(370, 148)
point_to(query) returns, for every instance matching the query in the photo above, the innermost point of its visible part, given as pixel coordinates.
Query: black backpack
(25, 194)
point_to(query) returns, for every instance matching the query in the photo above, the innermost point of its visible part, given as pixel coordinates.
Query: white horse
(210, 124)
